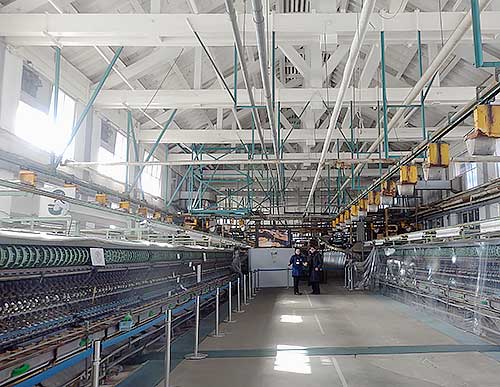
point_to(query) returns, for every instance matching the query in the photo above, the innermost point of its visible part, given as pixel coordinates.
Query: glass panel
(39, 128)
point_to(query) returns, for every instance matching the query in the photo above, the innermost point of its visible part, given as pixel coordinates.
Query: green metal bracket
(478, 40)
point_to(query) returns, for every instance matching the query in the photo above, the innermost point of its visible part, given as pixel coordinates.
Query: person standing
(315, 263)
(297, 261)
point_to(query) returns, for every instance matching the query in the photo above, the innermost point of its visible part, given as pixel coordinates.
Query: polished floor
(286, 340)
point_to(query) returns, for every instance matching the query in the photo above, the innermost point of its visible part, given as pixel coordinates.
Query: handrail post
(96, 363)
(217, 314)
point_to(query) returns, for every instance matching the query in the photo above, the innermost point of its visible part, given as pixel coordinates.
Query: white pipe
(244, 69)
(365, 160)
(357, 42)
(246, 78)
(445, 52)
(258, 18)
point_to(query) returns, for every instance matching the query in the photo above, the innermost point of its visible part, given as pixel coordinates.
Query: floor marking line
(356, 351)
(319, 324)
(339, 372)
(309, 299)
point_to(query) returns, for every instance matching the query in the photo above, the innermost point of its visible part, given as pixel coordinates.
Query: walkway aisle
(296, 326)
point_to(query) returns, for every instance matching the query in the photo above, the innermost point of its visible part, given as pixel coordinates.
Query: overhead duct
(357, 42)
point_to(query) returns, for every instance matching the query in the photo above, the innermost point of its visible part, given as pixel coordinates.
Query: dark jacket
(315, 263)
(297, 262)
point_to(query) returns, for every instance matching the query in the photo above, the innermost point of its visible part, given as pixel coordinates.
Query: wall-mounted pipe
(357, 42)
(445, 52)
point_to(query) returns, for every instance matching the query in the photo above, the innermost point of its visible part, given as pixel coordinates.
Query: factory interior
(254, 193)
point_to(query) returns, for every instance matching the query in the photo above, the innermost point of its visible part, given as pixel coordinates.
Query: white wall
(271, 258)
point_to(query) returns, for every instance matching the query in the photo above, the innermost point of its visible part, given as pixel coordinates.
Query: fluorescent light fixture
(379, 242)
(449, 232)
(491, 226)
(415, 236)
(396, 238)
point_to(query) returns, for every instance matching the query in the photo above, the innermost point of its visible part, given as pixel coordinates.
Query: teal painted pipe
(421, 72)
(384, 93)
(136, 152)
(478, 40)
(153, 148)
(57, 78)
(127, 155)
(273, 69)
(402, 106)
(235, 76)
(179, 186)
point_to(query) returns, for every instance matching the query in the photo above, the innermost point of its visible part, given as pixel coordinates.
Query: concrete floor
(277, 319)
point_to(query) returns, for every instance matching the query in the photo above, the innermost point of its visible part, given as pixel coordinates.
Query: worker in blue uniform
(297, 262)
(315, 263)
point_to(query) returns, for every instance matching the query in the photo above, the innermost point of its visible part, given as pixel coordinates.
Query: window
(117, 172)
(469, 171)
(38, 127)
(151, 177)
(470, 216)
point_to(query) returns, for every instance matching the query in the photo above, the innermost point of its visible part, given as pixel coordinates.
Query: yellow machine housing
(487, 120)
(190, 223)
(27, 177)
(354, 210)
(408, 174)
(101, 198)
(143, 211)
(124, 205)
(438, 154)
(371, 197)
(389, 188)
